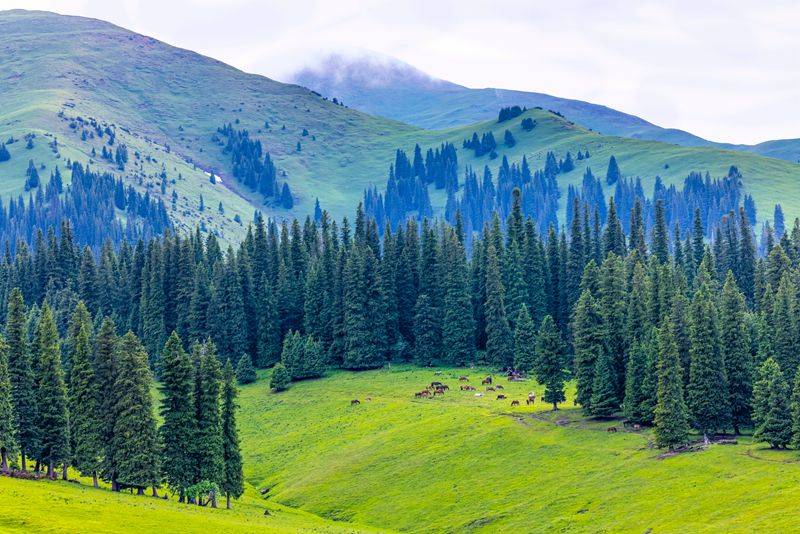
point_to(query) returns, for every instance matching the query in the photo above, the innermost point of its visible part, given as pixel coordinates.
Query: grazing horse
(487, 380)
(501, 397)
(423, 393)
(435, 384)
(515, 403)
(354, 402)
(498, 386)
(531, 398)
(463, 379)
(490, 388)
(611, 429)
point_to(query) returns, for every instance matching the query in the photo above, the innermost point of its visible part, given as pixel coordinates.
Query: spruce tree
(795, 407)
(550, 363)
(233, 481)
(604, 401)
(208, 438)
(458, 326)
(177, 412)
(524, 342)
(499, 342)
(135, 440)
(8, 438)
(245, 372)
(106, 371)
(53, 412)
(587, 342)
(771, 412)
(707, 389)
(735, 352)
(634, 402)
(670, 415)
(84, 411)
(280, 377)
(426, 339)
(22, 378)
(785, 333)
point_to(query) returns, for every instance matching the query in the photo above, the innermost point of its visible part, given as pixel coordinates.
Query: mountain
(66, 79)
(388, 87)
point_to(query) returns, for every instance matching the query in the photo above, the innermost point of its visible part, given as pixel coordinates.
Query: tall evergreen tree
(524, 342)
(587, 342)
(550, 362)
(53, 410)
(8, 438)
(84, 408)
(499, 341)
(734, 347)
(670, 416)
(106, 370)
(233, 481)
(22, 378)
(208, 438)
(771, 412)
(178, 429)
(135, 439)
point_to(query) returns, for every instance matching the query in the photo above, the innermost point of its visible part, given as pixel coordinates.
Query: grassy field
(451, 464)
(166, 103)
(463, 463)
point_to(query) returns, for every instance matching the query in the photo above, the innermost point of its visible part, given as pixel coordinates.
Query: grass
(450, 464)
(462, 463)
(45, 506)
(167, 102)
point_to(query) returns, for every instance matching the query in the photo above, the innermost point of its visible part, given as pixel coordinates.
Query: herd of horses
(438, 388)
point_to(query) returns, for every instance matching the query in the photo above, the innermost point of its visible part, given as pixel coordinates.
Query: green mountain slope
(464, 463)
(166, 103)
(388, 87)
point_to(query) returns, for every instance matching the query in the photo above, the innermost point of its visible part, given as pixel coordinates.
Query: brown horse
(611, 429)
(490, 388)
(501, 397)
(515, 403)
(463, 379)
(487, 380)
(498, 386)
(354, 402)
(530, 401)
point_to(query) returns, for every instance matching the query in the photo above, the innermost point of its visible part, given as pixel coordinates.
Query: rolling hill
(388, 87)
(457, 463)
(166, 104)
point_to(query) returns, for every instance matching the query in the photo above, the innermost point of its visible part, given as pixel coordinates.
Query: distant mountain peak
(364, 68)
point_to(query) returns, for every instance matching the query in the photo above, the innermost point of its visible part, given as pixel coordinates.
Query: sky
(725, 70)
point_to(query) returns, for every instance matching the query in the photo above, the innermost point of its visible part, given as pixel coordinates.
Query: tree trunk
(51, 472)
(228, 501)
(140, 491)
(24, 462)
(555, 406)
(38, 466)
(155, 491)
(213, 499)
(64, 471)
(181, 496)
(114, 483)
(94, 479)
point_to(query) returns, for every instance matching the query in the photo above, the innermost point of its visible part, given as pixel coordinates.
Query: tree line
(85, 401)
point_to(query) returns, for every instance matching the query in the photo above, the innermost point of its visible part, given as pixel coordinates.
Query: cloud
(726, 70)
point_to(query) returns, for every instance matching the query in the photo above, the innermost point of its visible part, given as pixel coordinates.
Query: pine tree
(611, 302)
(280, 377)
(106, 371)
(785, 336)
(587, 342)
(524, 342)
(634, 402)
(135, 440)
(660, 241)
(22, 378)
(177, 411)
(795, 407)
(245, 372)
(670, 415)
(53, 412)
(208, 439)
(735, 352)
(707, 389)
(549, 364)
(233, 481)
(604, 401)
(499, 341)
(771, 412)
(613, 173)
(84, 412)
(8, 438)
(458, 326)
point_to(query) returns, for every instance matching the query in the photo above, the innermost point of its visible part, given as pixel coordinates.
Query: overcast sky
(725, 70)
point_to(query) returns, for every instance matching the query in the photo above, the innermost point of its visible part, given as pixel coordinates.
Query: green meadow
(453, 463)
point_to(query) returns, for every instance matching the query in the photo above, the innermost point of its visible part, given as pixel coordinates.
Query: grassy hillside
(165, 104)
(450, 464)
(44, 506)
(462, 463)
(387, 87)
